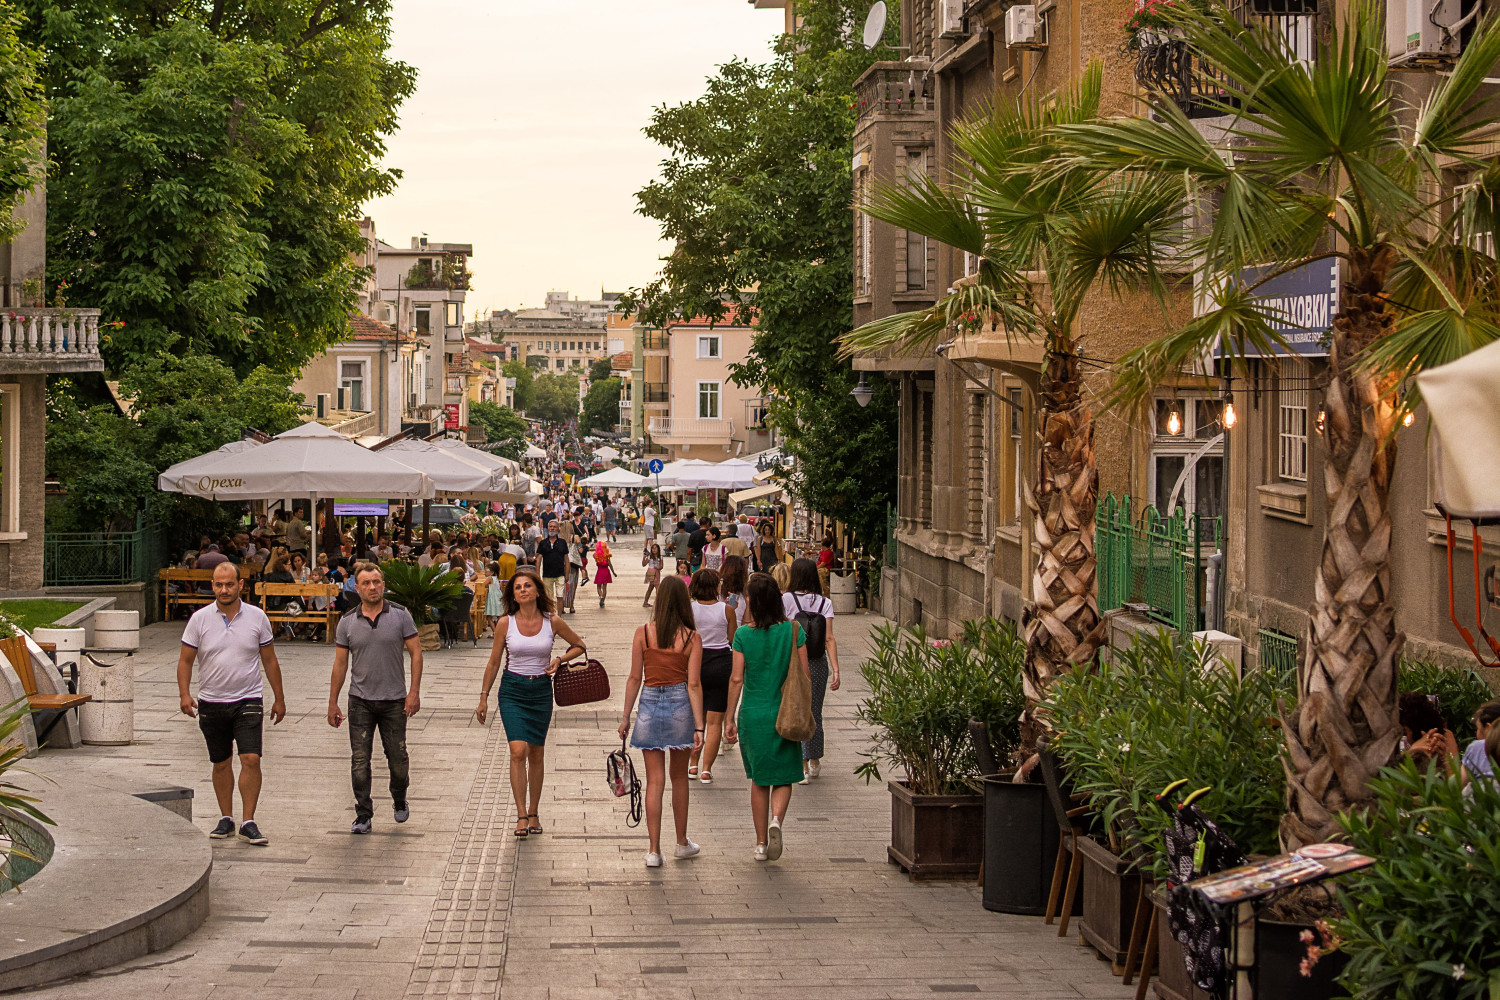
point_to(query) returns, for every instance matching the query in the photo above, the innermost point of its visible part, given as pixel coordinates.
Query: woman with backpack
(804, 602)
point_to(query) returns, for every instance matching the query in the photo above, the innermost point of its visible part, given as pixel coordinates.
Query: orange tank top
(664, 667)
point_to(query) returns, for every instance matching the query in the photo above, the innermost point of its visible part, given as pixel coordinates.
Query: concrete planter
(936, 836)
(1110, 893)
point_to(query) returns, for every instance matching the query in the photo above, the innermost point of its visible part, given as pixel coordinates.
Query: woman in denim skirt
(666, 661)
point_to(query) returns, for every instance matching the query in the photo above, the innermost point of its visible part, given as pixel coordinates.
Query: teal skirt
(525, 707)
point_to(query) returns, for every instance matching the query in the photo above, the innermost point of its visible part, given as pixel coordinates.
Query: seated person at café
(1425, 734)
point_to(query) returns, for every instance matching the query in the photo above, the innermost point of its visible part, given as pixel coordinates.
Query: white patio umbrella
(606, 454)
(615, 477)
(1465, 407)
(450, 473)
(669, 472)
(309, 461)
(733, 474)
(532, 451)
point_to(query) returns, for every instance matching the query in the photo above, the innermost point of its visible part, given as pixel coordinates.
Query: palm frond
(913, 333)
(1120, 232)
(922, 205)
(1452, 120)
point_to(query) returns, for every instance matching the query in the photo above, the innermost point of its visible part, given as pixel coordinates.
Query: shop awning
(755, 493)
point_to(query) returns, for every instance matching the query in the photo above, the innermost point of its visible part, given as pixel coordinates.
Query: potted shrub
(918, 710)
(1161, 711)
(424, 591)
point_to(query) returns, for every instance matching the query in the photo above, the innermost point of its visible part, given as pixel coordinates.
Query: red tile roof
(362, 327)
(486, 347)
(621, 362)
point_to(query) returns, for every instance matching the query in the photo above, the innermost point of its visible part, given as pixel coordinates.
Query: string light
(1322, 418)
(1406, 421)
(1174, 423)
(1229, 415)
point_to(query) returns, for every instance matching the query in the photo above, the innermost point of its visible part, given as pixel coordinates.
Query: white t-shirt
(815, 604)
(649, 517)
(228, 651)
(746, 533)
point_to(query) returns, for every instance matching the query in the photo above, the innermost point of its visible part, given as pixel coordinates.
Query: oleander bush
(1162, 711)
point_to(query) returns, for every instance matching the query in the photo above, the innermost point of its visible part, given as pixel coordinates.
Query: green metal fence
(1154, 561)
(1278, 652)
(78, 559)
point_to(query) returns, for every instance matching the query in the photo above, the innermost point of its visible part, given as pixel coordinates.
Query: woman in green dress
(763, 651)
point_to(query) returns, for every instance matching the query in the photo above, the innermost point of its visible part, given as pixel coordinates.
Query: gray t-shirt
(377, 663)
(1476, 761)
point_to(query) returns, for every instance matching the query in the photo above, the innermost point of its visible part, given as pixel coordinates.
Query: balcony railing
(690, 430)
(1154, 561)
(894, 88)
(50, 336)
(656, 392)
(654, 340)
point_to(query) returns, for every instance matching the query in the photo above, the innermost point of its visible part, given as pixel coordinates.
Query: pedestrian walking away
(648, 524)
(715, 623)
(611, 519)
(603, 570)
(665, 671)
(814, 613)
(524, 639)
(231, 642)
(369, 645)
(762, 655)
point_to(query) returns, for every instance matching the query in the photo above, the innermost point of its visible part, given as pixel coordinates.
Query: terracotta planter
(1020, 847)
(1110, 894)
(430, 637)
(1171, 982)
(936, 836)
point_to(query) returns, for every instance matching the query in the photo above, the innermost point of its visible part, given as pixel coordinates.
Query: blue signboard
(1301, 304)
(655, 466)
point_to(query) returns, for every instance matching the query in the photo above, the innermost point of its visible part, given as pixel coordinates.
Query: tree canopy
(601, 406)
(756, 194)
(556, 398)
(23, 121)
(502, 426)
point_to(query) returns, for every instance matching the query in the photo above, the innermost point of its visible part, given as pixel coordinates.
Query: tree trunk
(1346, 726)
(1065, 629)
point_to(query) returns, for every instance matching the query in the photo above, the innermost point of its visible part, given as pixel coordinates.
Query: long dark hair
(733, 575)
(543, 599)
(764, 598)
(804, 577)
(674, 612)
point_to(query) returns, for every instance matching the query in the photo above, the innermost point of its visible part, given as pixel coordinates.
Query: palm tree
(1327, 162)
(1045, 239)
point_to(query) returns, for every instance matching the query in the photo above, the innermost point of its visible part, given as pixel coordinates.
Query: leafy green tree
(211, 161)
(600, 370)
(601, 406)
(23, 121)
(556, 397)
(525, 391)
(755, 194)
(502, 426)
(537, 362)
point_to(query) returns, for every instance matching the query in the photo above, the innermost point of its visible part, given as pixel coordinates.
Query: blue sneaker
(360, 826)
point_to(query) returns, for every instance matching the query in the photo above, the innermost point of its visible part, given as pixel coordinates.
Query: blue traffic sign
(655, 466)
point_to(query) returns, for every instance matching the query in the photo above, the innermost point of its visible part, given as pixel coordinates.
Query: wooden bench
(188, 581)
(303, 592)
(16, 651)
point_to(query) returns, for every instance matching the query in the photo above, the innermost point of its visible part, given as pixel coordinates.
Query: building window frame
(453, 314)
(710, 347)
(915, 247)
(710, 399)
(1017, 397)
(1293, 398)
(1201, 414)
(422, 320)
(356, 382)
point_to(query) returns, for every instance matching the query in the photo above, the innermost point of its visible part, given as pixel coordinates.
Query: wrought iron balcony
(49, 340)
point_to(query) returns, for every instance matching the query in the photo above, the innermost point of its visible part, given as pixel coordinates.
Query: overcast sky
(524, 135)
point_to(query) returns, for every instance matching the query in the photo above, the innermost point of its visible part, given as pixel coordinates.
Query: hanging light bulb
(1322, 418)
(1406, 421)
(1229, 415)
(1174, 423)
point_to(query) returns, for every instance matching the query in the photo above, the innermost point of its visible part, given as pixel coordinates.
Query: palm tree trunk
(1065, 628)
(1346, 726)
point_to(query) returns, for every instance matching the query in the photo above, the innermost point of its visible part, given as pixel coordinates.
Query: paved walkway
(451, 904)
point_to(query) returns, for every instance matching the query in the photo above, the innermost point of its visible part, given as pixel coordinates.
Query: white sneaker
(815, 768)
(760, 852)
(653, 859)
(773, 840)
(687, 850)
(805, 778)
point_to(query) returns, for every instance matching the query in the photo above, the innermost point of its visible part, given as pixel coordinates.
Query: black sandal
(521, 830)
(535, 827)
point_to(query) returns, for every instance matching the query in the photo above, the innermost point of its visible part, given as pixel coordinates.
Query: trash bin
(1020, 847)
(843, 590)
(108, 720)
(117, 630)
(69, 643)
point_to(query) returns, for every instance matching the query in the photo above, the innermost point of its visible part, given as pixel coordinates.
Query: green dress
(769, 759)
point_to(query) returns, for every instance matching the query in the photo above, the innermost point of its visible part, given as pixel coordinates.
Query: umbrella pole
(332, 538)
(359, 537)
(426, 521)
(408, 523)
(312, 513)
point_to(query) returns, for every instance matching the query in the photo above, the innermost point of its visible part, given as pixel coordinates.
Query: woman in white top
(715, 623)
(713, 552)
(804, 595)
(525, 699)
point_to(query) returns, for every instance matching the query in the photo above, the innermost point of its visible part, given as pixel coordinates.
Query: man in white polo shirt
(231, 642)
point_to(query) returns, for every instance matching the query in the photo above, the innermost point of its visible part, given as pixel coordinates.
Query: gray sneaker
(403, 812)
(360, 826)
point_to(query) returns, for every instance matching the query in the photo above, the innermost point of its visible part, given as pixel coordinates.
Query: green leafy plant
(421, 589)
(13, 799)
(1459, 691)
(1161, 711)
(1421, 923)
(922, 695)
(8, 629)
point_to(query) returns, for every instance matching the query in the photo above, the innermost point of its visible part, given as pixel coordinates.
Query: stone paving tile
(452, 905)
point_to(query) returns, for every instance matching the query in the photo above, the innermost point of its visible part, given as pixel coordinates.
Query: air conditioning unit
(952, 19)
(1021, 27)
(343, 398)
(1425, 32)
(325, 404)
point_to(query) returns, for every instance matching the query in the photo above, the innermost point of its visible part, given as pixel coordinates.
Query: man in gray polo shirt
(369, 643)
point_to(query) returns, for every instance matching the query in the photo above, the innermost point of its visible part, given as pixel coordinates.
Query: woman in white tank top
(525, 700)
(715, 622)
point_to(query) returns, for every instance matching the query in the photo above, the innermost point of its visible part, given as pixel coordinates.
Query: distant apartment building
(592, 310)
(366, 374)
(683, 399)
(544, 339)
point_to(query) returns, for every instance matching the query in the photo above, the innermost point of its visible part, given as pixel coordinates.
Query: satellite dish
(875, 25)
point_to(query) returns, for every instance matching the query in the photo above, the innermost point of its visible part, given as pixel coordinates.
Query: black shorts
(718, 664)
(229, 724)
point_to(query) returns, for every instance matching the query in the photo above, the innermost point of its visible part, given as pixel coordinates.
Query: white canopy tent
(667, 477)
(1465, 407)
(310, 461)
(616, 477)
(451, 473)
(606, 454)
(731, 474)
(532, 451)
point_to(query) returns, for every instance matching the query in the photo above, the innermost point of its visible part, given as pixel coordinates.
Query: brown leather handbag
(794, 719)
(579, 683)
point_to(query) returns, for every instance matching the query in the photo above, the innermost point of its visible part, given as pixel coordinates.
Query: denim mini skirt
(663, 719)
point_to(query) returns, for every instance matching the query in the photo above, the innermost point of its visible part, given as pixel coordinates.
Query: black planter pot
(1020, 847)
(1278, 954)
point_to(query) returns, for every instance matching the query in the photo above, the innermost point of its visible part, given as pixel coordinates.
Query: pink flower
(1305, 937)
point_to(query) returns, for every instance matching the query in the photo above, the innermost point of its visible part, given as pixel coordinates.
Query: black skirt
(718, 664)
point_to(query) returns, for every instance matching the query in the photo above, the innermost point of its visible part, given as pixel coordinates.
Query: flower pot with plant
(922, 695)
(425, 591)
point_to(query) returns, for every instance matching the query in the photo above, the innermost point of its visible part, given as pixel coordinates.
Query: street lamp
(862, 393)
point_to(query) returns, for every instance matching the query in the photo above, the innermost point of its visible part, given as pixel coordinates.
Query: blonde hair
(782, 574)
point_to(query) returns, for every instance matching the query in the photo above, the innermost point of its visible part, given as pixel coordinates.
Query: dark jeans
(390, 717)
